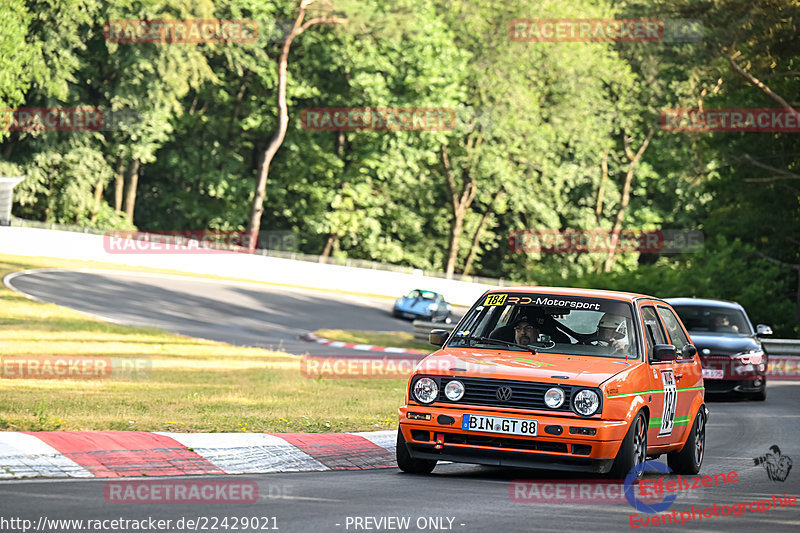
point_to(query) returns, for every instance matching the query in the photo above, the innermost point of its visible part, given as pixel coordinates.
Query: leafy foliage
(543, 138)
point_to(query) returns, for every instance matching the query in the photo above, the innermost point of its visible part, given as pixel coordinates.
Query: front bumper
(725, 386)
(437, 439)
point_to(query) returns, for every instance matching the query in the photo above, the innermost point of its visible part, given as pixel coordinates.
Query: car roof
(705, 302)
(564, 291)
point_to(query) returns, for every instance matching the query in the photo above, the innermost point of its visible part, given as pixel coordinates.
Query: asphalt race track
(248, 314)
(454, 498)
(475, 498)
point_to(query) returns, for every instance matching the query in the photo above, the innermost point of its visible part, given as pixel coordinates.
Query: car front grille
(524, 394)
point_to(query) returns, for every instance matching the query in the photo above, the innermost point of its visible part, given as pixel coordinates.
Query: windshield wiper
(488, 340)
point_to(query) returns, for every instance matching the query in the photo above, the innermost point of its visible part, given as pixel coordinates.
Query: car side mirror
(763, 329)
(665, 352)
(688, 351)
(438, 337)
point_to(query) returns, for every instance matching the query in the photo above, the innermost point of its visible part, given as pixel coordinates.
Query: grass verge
(179, 383)
(397, 339)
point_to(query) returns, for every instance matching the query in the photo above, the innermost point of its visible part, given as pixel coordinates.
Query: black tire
(690, 458)
(408, 463)
(396, 313)
(633, 450)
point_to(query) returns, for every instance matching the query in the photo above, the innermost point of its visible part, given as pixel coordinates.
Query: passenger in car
(722, 323)
(611, 332)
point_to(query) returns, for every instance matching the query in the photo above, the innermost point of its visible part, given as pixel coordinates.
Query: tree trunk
(326, 252)
(473, 250)
(460, 203)
(283, 116)
(119, 185)
(633, 159)
(456, 227)
(98, 198)
(130, 197)
(601, 189)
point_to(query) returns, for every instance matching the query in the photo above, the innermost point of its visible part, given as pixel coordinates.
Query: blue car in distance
(422, 304)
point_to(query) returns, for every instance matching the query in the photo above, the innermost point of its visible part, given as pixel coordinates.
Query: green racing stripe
(651, 392)
(679, 421)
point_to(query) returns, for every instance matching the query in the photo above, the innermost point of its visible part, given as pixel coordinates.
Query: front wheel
(690, 458)
(408, 463)
(633, 450)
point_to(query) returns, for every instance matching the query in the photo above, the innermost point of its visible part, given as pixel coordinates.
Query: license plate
(712, 373)
(409, 315)
(496, 424)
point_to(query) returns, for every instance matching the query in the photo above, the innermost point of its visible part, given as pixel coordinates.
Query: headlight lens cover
(554, 398)
(586, 402)
(454, 390)
(426, 390)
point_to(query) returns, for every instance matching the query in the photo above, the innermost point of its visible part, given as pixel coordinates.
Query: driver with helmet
(612, 331)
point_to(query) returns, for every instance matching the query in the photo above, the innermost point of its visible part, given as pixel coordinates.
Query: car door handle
(678, 376)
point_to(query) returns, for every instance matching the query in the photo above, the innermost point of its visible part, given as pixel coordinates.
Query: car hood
(413, 302)
(724, 344)
(542, 367)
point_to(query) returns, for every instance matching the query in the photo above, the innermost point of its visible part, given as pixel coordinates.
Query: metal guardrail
(422, 328)
(778, 347)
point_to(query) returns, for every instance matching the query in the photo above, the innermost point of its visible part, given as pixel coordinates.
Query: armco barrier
(777, 347)
(32, 242)
(422, 329)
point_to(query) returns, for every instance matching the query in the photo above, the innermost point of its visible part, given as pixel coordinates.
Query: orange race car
(569, 379)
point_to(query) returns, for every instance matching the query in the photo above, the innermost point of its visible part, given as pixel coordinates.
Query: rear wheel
(633, 451)
(690, 458)
(408, 463)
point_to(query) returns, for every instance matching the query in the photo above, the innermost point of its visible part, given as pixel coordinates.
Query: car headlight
(554, 398)
(752, 356)
(586, 402)
(454, 390)
(432, 307)
(426, 390)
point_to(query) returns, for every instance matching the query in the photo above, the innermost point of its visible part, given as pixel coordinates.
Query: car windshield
(570, 325)
(425, 295)
(714, 319)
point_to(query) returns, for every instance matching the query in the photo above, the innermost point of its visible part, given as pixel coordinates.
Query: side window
(679, 338)
(652, 328)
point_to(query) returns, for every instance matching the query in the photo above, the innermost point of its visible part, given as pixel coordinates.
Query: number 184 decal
(670, 403)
